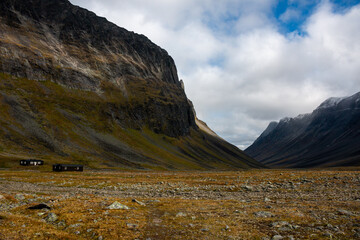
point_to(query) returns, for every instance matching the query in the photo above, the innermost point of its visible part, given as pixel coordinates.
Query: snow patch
(285, 119)
(331, 102)
(301, 116)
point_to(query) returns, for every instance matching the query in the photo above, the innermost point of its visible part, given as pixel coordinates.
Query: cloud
(239, 69)
(291, 14)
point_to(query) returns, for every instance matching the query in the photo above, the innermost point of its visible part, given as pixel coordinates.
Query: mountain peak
(331, 102)
(329, 136)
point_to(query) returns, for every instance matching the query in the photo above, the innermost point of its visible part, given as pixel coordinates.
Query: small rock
(204, 230)
(247, 188)
(51, 217)
(279, 224)
(345, 212)
(299, 214)
(181, 214)
(264, 214)
(328, 234)
(89, 230)
(100, 238)
(267, 199)
(75, 225)
(41, 214)
(19, 197)
(138, 202)
(61, 224)
(277, 237)
(131, 226)
(285, 229)
(77, 232)
(117, 205)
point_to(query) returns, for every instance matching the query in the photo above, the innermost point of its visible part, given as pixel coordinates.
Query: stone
(264, 214)
(345, 212)
(181, 214)
(19, 197)
(328, 234)
(279, 224)
(51, 217)
(61, 224)
(247, 188)
(277, 237)
(267, 199)
(75, 225)
(139, 202)
(100, 238)
(117, 205)
(131, 225)
(357, 235)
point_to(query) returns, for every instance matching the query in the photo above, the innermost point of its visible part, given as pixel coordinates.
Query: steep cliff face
(54, 40)
(329, 136)
(75, 85)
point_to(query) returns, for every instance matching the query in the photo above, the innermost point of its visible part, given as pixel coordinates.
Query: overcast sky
(248, 62)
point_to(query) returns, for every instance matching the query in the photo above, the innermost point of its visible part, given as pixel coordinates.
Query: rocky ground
(256, 204)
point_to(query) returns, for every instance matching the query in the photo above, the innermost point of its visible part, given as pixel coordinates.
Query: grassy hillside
(45, 120)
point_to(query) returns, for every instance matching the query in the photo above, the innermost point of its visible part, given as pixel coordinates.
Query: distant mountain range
(75, 88)
(329, 136)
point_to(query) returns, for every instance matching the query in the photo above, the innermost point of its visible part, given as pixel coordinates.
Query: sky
(246, 63)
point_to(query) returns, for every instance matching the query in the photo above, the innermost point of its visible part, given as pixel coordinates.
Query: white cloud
(290, 14)
(239, 71)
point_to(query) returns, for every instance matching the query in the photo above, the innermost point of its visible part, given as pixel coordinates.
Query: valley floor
(254, 204)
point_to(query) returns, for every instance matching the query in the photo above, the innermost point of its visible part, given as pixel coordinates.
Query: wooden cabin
(67, 167)
(31, 162)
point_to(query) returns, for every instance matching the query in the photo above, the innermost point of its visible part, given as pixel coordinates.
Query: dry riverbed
(255, 204)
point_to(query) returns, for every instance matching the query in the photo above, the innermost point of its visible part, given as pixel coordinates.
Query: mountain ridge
(329, 136)
(77, 88)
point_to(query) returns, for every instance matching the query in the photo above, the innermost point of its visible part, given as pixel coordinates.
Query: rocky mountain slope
(329, 136)
(77, 88)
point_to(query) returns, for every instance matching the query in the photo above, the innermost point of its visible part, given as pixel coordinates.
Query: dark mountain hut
(67, 167)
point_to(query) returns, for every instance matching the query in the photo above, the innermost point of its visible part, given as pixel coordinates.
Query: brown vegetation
(312, 204)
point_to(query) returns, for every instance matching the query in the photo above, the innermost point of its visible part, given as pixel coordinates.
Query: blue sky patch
(291, 14)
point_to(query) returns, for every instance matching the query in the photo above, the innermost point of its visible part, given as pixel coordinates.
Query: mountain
(329, 136)
(75, 88)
